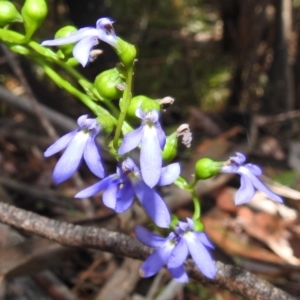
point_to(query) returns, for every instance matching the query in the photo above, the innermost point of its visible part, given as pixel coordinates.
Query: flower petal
(73, 37)
(60, 144)
(239, 159)
(131, 140)
(156, 260)
(82, 49)
(151, 156)
(92, 158)
(256, 170)
(161, 136)
(260, 185)
(109, 197)
(96, 188)
(169, 174)
(246, 191)
(71, 158)
(179, 274)
(106, 31)
(179, 254)
(124, 198)
(202, 237)
(201, 256)
(153, 204)
(148, 238)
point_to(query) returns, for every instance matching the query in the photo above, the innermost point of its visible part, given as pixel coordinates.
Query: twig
(229, 277)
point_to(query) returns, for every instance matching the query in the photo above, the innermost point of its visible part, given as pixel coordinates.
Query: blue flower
(249, 179)
(152, 139)
(87, 38)
(174, 250)
(78, 143)
(121, 187)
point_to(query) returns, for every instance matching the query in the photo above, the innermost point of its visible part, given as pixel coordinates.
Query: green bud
(106, 122)
(34, 13)
(206, 168)
(126, 52)
(8, 13)
(150, 104)
(20, 49)
(198, 226)
(106, 84)
(65, 32)
(135, 103)
(170, 149)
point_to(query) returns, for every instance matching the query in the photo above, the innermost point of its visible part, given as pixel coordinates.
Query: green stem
(197, 205)
(124, 107)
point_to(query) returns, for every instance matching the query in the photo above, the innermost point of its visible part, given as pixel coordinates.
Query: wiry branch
(229, 277)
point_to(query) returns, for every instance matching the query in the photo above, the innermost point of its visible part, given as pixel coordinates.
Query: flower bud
(206, 168)
(170, 149)
(33, 13)
(8, 13)
(108, 84)
(126, 52)
(65, 32)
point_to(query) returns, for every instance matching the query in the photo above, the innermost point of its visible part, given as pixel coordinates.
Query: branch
(229, 277)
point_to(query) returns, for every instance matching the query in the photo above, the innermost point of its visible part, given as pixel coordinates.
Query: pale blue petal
(96, 188)
(153, 204)
(92, 158)
(106, 31)
(71, 158)
(179, 274)
(254, 169)
(259, 185)
(124, 198)
(73, 37)
(239, 159)
(161, 136)
(60, 144)
(246, 191)
(151, 156)
(148, 238)
(202, 237)
(201, 256)
(109, 196)
(156, 260)
(179, 254)
(82, 49)
(131, 140)
(169, 174)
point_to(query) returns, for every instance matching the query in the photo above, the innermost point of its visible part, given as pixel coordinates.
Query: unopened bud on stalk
(8, 13)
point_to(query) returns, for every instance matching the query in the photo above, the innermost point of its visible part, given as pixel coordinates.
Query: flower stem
(126, 101)
(197, 205)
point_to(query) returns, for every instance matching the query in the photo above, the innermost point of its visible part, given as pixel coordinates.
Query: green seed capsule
(33, 13)
(65, 32)
(206, 168)
(126, 52)
(135, 103)
(150, 104)
(170, 149)
(8, 13)
(106, 84)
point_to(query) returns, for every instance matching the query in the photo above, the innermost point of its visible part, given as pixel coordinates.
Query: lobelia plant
(185, 239)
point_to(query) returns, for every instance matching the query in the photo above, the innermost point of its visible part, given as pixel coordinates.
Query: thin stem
(124, 108)
(197, 205)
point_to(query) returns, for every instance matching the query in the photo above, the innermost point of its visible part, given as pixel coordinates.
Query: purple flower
(152, 140)
(87, 38)
(174, 250)
(121, 187)
(78, 143)
(249, 179)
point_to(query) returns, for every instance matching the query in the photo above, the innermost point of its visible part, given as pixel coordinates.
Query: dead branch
(229, 277)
